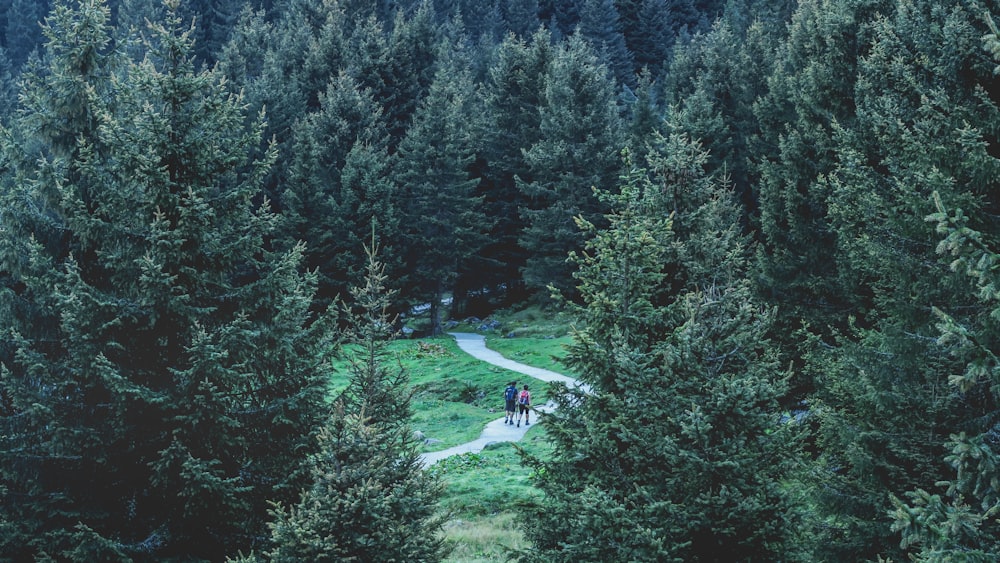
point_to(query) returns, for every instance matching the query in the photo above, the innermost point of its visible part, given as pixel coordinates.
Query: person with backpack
(523, 405)
(510, 402)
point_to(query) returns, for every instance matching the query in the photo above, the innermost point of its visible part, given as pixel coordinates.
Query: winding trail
(496, 431)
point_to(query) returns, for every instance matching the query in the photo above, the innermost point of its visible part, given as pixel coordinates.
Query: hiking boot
(526, 423)
(518, 423)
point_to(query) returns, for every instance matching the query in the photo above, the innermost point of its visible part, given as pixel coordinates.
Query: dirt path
(496, 430)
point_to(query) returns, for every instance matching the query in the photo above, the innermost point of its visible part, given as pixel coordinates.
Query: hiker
(510, 402)
(523, 404)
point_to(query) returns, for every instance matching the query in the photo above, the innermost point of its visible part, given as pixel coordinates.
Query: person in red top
(523, 406)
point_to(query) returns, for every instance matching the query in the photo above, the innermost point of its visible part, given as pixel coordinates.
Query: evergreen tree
(8, 88)
(214, 20)
(162, 375)
(409, 69)
(647, 33)
(646, 115)
(521, 17)
(483, 21)
(713, 82)
(443, 222)
(130, 24)
(961, 524)
(513, 96)
(319, 208)
(23, 33)
(370, 499)
(810, 92)
(264, 59)
(561, 16)
(600, 26)
(581, 135)
(675, 453)
(242, 58)
(926, 120)
(284, 66)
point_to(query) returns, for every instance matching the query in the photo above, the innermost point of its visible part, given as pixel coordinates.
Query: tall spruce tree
(521, 17)
(648, 36)
(600, 26)
(513, 96)
(370, 499)
(284, 64)
(959, 522)
(320, 209)
(711, 88)
(8, 88)
(443, 220)
(811, 89)
(927, 114)
(676, 452)
(582, 133)
(403, 78)
(162, 375)
(23, 33)
(214, 21)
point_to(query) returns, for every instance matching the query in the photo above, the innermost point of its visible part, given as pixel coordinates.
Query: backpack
(524, 398)
(510, 393)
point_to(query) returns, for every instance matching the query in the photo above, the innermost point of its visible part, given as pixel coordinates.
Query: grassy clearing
(484, 539)
(534, 322)
(482, 492)
(455, 395)
(533, 336)
(547, 353)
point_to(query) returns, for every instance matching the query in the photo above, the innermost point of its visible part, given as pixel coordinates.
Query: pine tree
(561, 16)
(24, 28)
(284, 65)
(214, 21)
(521, 17)
(8, 88)
(443, 221)
(645, 115)
(242, 57)
(648, 36)
(676, 452)
(513, 95)
(921, 146)
(581, 135)
(600, 26)
(811, 90)
(318, 207)
(712, 85)
(961, 523)
(403, 78)
(162, 374)
(370, 499)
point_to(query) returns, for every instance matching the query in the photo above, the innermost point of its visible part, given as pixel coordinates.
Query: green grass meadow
(548, 353)
(482, 492)
(454, 396)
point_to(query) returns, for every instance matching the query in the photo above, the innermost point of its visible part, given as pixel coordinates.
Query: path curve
(496, 431)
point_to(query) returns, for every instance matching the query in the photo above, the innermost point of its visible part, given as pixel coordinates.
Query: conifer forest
(776, 224)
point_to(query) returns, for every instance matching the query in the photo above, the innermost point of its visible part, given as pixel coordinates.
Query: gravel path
(496, 431)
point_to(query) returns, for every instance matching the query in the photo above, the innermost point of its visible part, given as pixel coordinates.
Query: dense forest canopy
(776, 222)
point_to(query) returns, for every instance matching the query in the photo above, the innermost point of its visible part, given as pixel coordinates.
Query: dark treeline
(776, 221)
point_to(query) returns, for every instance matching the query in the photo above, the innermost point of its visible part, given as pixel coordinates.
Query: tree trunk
(435, 310)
